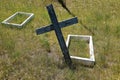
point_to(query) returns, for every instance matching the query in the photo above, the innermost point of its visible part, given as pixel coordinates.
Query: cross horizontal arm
(61, 24)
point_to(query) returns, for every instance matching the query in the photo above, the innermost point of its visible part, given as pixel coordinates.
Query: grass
(19, 18)
(27, 56)
(82, 49)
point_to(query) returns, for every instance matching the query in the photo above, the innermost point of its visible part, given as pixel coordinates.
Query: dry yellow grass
(26, 56)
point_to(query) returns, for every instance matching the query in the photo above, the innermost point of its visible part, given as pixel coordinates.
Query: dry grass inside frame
(18, 19)
(79, 47)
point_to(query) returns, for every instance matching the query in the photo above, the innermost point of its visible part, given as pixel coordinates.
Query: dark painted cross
(56, 26)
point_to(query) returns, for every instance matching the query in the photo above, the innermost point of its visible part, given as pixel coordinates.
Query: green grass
(27, 56)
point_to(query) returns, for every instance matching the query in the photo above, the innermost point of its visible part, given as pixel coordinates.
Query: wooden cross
(56, 26)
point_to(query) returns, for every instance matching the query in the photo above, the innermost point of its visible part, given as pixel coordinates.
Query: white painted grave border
(85, 61)
(30, 16)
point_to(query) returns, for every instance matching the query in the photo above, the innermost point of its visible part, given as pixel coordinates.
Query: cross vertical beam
(59, 35)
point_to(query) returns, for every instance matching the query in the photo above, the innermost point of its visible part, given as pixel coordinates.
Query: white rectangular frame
(85, 61)
(30, 16)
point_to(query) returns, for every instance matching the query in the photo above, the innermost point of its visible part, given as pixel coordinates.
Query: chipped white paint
(86, 61)
(6, 21)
